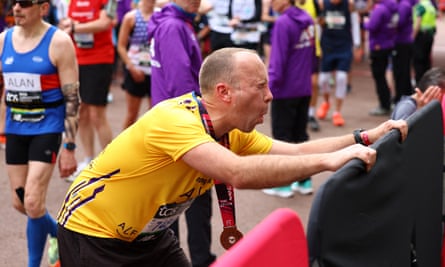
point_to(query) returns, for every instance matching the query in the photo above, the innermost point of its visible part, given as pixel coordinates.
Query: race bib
(166, 216)
(84, 40)
(335, 20)
(27, 115)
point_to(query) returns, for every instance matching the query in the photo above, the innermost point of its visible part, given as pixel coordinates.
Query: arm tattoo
(71, 94)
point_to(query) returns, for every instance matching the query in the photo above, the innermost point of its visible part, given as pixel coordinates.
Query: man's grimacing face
(253, 96)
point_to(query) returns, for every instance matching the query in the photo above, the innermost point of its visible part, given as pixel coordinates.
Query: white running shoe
(284, 192)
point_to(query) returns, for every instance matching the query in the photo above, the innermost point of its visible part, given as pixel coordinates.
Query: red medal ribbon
(225, 192)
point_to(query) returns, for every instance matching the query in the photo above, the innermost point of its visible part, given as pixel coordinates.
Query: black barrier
(381, 218)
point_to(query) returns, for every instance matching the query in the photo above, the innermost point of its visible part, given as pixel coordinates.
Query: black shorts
(265, 37)
(341, 60)
(78, 250)
(136, 89)
(95, 81)
(20, 149)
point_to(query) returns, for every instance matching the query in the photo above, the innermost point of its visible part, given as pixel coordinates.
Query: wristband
(70, 146)
(358, 137)
(365, 138)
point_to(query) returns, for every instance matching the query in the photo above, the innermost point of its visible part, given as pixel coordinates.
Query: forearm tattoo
(72, 100)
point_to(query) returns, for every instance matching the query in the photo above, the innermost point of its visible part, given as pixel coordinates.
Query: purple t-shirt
(175, 54)
(123, 6)
(405, 24)
(292, 54)
(382, 25)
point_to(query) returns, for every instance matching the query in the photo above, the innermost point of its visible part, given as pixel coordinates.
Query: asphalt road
(251, 205)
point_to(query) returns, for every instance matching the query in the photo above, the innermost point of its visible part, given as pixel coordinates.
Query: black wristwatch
(357, 136)
(69, 146)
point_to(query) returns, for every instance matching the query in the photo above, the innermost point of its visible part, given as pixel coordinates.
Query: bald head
(223, 65)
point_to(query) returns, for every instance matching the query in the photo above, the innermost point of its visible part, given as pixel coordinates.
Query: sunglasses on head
(26, 3)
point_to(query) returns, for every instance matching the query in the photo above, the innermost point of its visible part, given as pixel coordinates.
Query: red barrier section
(279, 240)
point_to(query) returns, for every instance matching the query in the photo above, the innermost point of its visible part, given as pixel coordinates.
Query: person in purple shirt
(123, 6)
(175, 52)
(382, 27)
(290, 70)
(175, 63)
(403, 50)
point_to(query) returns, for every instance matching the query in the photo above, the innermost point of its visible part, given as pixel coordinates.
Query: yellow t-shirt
(138, 183)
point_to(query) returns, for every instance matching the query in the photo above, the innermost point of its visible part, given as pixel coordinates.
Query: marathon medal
(229, 236)
(225, 192)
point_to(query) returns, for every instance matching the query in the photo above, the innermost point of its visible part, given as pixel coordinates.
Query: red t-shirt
(91, 48)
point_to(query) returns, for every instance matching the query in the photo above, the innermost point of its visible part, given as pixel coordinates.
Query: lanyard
(225, 192)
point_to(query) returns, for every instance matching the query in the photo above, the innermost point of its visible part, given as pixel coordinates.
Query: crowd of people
(199, 64)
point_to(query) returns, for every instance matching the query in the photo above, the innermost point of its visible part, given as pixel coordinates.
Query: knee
(323, 80)
(97, 116)
(33, 207)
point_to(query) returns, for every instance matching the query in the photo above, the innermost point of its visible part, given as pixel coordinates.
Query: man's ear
(44, 8)
(224, 92)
